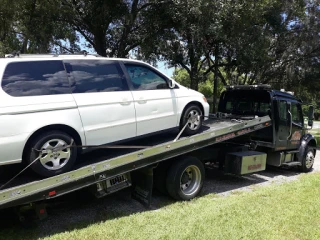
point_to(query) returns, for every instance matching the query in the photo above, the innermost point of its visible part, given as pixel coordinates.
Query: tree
(8, 40)
(111, 28)
(205, 87)
(233, 42)
(29, 26)
(186, 42)
(234, 37)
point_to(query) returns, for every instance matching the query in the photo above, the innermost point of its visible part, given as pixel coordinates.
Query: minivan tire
(192, 128)
(53, 162)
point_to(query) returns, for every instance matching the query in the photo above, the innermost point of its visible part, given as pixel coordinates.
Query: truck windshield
(246, 102)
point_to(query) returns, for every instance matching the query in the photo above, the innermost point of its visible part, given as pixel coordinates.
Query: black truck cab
(286, 141)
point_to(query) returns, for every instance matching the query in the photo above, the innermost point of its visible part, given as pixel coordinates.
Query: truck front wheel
(185, 178)
(308, 160)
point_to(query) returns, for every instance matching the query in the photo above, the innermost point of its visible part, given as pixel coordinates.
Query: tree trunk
(24, 45)
(215, 81)
(100, 43)
(121, 53)
(194, 81)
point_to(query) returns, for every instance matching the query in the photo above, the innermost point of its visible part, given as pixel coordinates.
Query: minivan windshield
(245, 102)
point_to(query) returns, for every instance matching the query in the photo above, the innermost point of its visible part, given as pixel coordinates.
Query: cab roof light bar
(249, 87)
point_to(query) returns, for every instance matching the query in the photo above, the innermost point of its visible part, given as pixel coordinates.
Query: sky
(161, 66)
(164, 69)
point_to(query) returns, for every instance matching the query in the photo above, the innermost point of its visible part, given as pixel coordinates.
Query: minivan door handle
(142, 101)
(125, 102)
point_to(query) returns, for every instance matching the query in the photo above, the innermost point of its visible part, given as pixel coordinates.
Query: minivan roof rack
(45, 55)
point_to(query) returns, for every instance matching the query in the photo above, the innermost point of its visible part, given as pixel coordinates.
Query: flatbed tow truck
(255, 126)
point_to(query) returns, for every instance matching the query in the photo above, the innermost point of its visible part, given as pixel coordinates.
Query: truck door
(295, 113)
(283, 130)
(290, 124)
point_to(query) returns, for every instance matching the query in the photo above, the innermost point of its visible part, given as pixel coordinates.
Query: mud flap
(31, 213)
(142, 180)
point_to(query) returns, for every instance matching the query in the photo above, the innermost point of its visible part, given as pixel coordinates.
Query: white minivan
(50, 104)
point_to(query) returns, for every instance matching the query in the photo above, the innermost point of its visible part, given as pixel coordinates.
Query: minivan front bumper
(206, 109)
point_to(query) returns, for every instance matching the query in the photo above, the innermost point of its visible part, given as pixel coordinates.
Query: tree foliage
(205, 87)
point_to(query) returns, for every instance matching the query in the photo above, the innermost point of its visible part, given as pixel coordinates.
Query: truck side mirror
(310, 116)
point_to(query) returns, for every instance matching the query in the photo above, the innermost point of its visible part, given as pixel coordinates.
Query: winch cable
(184, 127)
(64, 147)
(93, 147)
(19, 173)
(190, 119)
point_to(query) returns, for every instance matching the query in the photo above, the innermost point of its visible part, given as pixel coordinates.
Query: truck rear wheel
(185, 178)
(308, 160)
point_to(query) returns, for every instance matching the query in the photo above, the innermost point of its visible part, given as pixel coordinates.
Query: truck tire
(185, 178)
(55, 162)
(195, 125)
(308, 160)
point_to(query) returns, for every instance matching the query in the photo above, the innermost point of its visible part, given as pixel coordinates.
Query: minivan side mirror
(310, 116)
(171, 84)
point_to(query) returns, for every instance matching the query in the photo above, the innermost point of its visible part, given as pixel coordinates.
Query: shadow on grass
(80, 209)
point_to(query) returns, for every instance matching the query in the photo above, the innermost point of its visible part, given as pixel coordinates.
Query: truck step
(291, 164)
(292, 152)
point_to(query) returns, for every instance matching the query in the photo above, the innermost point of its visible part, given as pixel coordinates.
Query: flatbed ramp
(214, 131)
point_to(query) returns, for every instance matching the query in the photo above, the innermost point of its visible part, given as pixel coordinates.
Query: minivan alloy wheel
(194, 119)
(55, 150)
(54, 155)
(191, 118)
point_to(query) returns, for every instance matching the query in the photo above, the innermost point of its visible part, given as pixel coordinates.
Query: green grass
(279, 211)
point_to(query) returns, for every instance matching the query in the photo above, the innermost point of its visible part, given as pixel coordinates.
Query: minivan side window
(96, 76)
(35, 78)
(144, 78)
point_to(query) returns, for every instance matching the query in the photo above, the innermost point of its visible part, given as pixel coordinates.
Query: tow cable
(190, 120)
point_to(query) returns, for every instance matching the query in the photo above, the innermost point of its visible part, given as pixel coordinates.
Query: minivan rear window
(95, 76)
(35, 78)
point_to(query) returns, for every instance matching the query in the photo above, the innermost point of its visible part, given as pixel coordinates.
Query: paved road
(80, 208)
(316, 125)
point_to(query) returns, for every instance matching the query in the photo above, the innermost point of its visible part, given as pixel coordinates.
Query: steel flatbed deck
(95, 168)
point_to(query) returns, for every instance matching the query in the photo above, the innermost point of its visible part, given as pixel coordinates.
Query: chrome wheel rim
(194, 120)
(190, 180)
(309, 159)
(54, 155)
